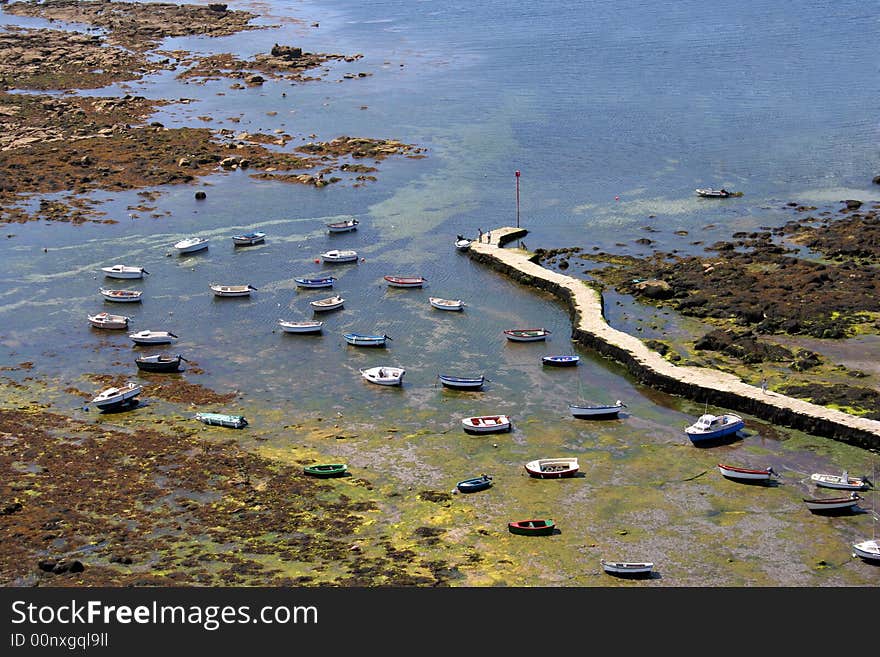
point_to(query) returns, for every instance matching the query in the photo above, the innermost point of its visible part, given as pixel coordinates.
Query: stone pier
(714, 387)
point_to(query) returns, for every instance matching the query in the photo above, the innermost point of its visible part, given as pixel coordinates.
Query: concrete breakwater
(714, 387)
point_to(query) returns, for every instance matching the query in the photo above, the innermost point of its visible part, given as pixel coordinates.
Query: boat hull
(122, 296)
(323, 305)
(461, 383)
(123, 272)
(552, 468)
(107, 321)
(744, 474)
(231, 290)
(152, 337)
(627, 568)
(365, 340)
(711, 428)
(832, 505)
(560, 361)
(113, 398)
(301, 327)
(526, 335)
(190, 246)
(339, 256)
(222, 420)
(248, 240)
(595, 412)
(343, 226)
(397, 281)
(326, 470)
(474, 485)
(868, 550)
(839, 482)
(486, 424)
(315, 283)
(532, 527)
(160, 364)
(446, 304)
(384, 376)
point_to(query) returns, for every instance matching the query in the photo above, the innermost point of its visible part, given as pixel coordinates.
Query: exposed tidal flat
(151, 497)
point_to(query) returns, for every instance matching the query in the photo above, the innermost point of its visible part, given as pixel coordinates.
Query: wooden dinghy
(475, 484)
(111, 398)
(232, 290)
(313, 283)
(540, 527)
(405, 281)
(342, 226)
(446, 304)
(745, 474)
(461, 382)
(326, 470)
(527, 335)
(159, 363)
(842, 482)
(486, 424)
(108, 321)
(384, 375)
(561, 361)
(336, 255)
(596, 412)
(248, 239)
(330, 303)
(628, 568)
(553, 468)
(122, 296)
(222, 420)
(152, 337)
(362, 340)
(832, 504)
(301, 327)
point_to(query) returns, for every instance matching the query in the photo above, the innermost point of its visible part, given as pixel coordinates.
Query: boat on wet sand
(842, 482)
(832, 504)
(122, 296)
(124, 271)
(116, 397)
(539, 527)
(627, 568)
(300, 327)
(159, 363)
(330, 303)
(152, 337)
(474, 485)
(553, 468)
(486, 424)
(596, 412)
(361, 340)
(461, 382)
(108, 321)
(384, 375)
(746, 474)
(232, 290)
(868, 550)
(710, 428)
(222, 420)
(527, 335)
(326, 470)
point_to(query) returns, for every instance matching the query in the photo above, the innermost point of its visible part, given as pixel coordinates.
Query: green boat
(223, 420)
(532, 527)
(326, 469)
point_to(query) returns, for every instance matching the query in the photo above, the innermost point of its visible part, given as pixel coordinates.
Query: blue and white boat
(461, 382)
(561, 361)
(714, 427)
(324, 281)
(473, 485)
(248, 239)
(361, 340)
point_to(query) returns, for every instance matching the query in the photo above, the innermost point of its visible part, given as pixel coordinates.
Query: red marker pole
(517, 199)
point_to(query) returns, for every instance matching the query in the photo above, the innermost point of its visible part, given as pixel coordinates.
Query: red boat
(744, 474)
(405, 281)
(532, 527)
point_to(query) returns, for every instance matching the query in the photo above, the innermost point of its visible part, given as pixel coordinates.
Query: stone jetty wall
(714, 387)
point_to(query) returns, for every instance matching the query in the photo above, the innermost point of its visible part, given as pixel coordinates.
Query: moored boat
(342, 226)
(596, 412)
(461, 382)
(527, 335)
(486, 424)
(335, 255)
(124, 271)
(446, 304)
(323, 281)
(405, 281)
(232, 290)
(300, 327)
(116, 397)
(191, 245)
(627, 568)
(829, 504)
(553, 468)
(330, 303)
(842, 482)
(462, 243)
(159, 363)
(868, 550)
(710, 428)
(108, 321)
(746, 474)
(361, 340)
(538, 527)
(475, 484)
(712, 193)
(222, 420)
(152, 337)
(560, 361)
(326, 470)
(384, 375)
(122, 296)
(248, 239)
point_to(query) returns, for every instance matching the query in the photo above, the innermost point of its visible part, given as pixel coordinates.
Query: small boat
(712, 193)
(248, 239)
(123, 271)
(326, 470)
(835, 504)
(625, 568)
(122, 295)
(462, 243)
(116, 397)
(330, 303)
(152, 337)
(108, 321)
(486, 424)
(342, 226)
(446, 304)
(324, 281)
(461, 382)
(222, 420)
(560, 361)
(597, 412)
(335, 255)
(473, 485)
(713, 427)
(843, 482)
(405, 281)
(532, 527)
(300, 327)
(553, 468)
(159, 363)
(745, 474)
(384, 376)
(868, 550)
(527, 335)
(191, 245)
(232, 290)
(361, 340)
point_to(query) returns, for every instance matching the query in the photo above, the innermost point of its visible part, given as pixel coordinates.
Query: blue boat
(248, 239)
(361, 340)
(476, 484)
(461, 382)
(561, 361)
(223, 420)
(326, 281)
(714, 427)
